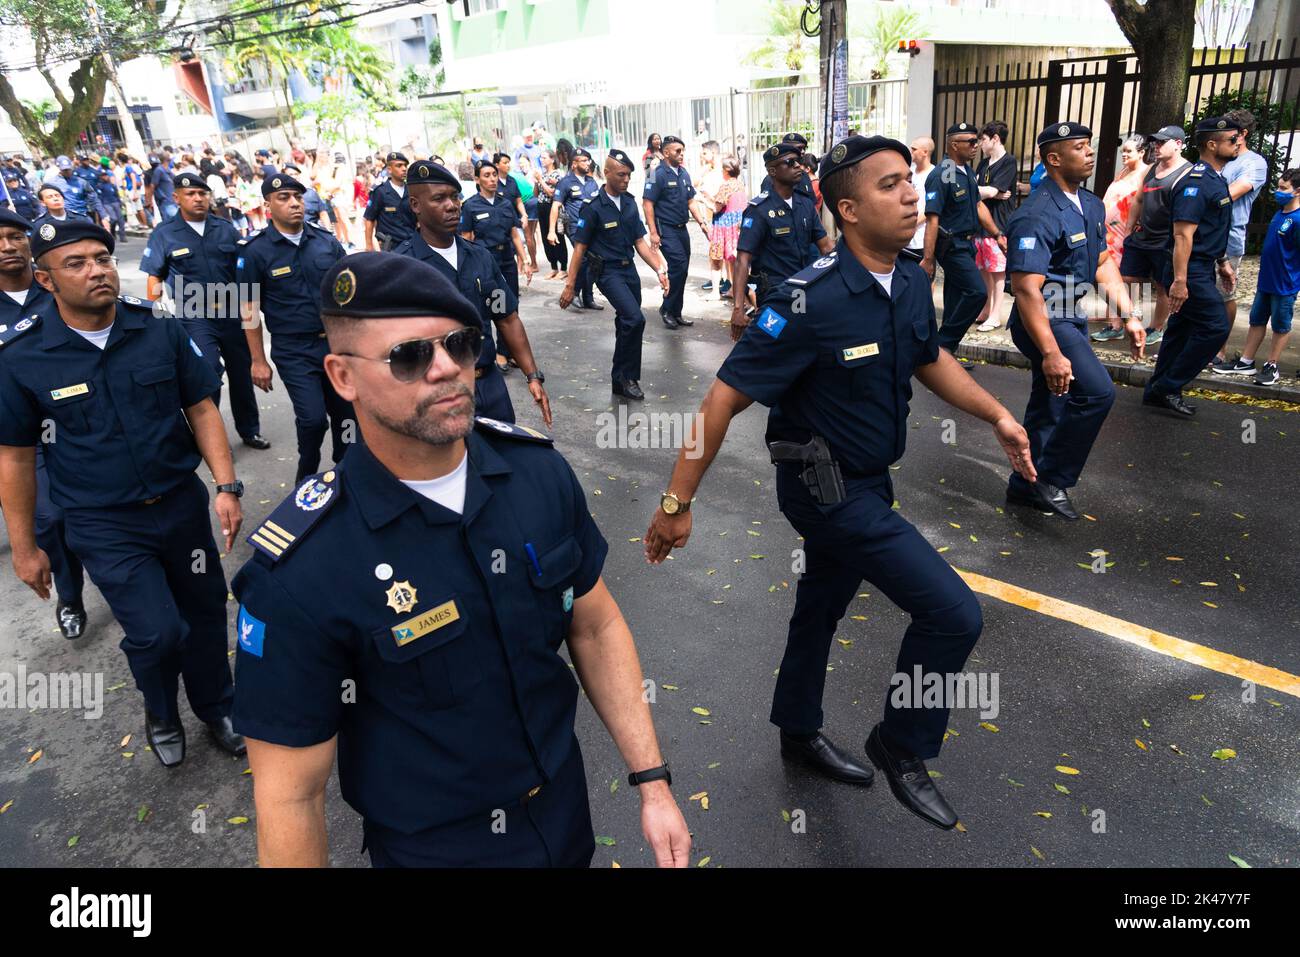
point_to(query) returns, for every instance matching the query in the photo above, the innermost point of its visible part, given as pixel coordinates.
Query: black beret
(797, 139)
(53, 235)
(581, 152)
(388, 286)
(1065, 130)
(11, 173)
(855, 149)
(478, 167)
(1215, 124)
(670, 140)
(960, 128)
(273, 184)
(777, 150)
(9, 218)
(394, 157)
(622, 157)
(191, 181)
(430, 173)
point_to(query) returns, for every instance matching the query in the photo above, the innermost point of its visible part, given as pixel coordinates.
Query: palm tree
(784, 48)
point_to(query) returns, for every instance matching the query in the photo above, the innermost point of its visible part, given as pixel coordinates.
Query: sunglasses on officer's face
(788, 161)
(409, 361)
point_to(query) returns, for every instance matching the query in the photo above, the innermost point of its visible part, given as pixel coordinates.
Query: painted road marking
(1138, 635)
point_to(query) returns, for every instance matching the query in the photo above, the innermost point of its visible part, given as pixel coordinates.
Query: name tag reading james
(407, 631)
(69, 391)
(282, 271)
(861, 352)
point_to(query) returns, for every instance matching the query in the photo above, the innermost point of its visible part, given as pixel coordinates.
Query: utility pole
(833, 59)
(134, 145)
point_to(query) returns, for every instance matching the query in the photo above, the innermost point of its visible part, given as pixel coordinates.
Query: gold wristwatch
(672, 505)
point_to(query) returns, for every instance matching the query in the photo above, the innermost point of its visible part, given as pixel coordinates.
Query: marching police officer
(79, 197)
(837, 377)
(120, 401)
(437, 572)
(278, 271)
(22, 198)
(1198, 321)
(24, 296)
(508, 189)
(804, 185)
(312, 204)
(435, 200)
(490, 219)
(111, 201)
(56, 210)
(667, 204)
(1056, 248)
(776, 232)
(609, 229)
(575, 186)
(388, 215)
(953, 208)
(194, 253)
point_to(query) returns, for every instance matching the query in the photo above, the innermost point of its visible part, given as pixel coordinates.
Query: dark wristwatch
(536, 376)
(235, 488)
(661, 773)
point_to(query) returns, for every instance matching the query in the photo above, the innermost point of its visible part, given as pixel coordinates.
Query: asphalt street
(1133, 686)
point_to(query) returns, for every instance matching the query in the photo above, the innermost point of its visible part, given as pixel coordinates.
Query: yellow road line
(1135, 634)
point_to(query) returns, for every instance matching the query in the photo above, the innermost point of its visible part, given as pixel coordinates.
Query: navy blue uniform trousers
(510, 270)
(622, 287)
(864, 538)
(675, 244)
(963, 292)
(1194, 333)
(1062, 429)
(158, 568)
(224, 345)
(65, 567)
(317, 408)
(550, 829)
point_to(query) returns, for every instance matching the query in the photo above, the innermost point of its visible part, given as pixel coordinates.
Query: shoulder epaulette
(296, 515)
(9, 333)
(588, 199)
(810, 274)
(133, 301)
(514, 431)
(318, 226)
(758, 198)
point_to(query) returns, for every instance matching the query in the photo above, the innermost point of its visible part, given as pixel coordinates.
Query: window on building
(473, 8)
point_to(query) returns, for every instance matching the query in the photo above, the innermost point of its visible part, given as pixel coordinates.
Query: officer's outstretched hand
(665, 533)
(1015, 442)
(33, 570)
(261, 372)
(739, 320)
(226, 505)
(1058, 372)
(665, 828)
(1177, 295)
(1137, 335)
(539, 395)
(566, 296)
(528, 273)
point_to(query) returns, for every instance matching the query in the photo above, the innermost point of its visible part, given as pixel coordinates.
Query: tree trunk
(25, 121)
(1162, 33)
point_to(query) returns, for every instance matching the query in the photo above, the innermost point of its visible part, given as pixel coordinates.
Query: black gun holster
(820, 473)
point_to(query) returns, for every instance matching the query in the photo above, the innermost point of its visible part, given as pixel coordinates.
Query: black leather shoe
(1045, 498)
(669, 321)
(1170, 402)
(71, 617)
(683, 321)
(257, 442)
(824, 757)
(593, 305)
(167, 738)
(630, 390)
(226, 738)
(911, 784)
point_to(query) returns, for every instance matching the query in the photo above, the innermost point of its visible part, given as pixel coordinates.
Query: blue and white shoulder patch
(252, 632)
(9, 333)
(771, 322)
(511, 429)
(296, 515)
(1027, 242)
(819, 268)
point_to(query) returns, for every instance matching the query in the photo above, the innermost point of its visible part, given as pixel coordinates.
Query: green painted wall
(521, 25)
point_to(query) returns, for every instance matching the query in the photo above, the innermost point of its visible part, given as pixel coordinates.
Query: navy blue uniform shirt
(571, 190)
(778, 235)
(842, 367)
(288, 276)
(108, 194)
(119, 432)
(390, 211)
(671, 191)
(177, 253)
(951, 191)
(24, 201)
(448, 628)
(164, 185)
(1049, 236)
(81, 198)
(479, 280)
(11, 312)
(491, 223)
(608, 231)
(1202, 198)
(803, 186)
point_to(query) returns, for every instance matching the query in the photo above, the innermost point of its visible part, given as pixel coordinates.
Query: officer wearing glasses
(406, 610)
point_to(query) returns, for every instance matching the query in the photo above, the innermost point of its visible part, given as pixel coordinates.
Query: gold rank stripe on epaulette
(513, 430)
(296, 515)
(9, 333)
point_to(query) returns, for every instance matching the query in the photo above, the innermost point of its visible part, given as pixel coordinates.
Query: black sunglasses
(788, 161)
(410, 360)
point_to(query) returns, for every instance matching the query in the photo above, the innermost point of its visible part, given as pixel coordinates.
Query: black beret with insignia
(191, 181)
(670, 140)
(273, 184)
(387, 286)
(52, 235)
(622, 157)
(430, 173)
(960, 128)
(394, 157)
(1214, 124)
(855, 149)
(581, 152)
(796, 138)
(9, 218)
(777, 150)
(1065, 130)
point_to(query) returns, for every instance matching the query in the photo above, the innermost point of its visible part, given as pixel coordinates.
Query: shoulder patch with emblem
(296, 515)
(513, 430)
(758, 198)
(821, 267)
(9, 333)
(131, 300)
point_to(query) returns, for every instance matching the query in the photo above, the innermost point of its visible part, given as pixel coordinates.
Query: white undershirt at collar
(615, 200)
(197, 227)
(97, 339)
(449, 254)
(448, 491)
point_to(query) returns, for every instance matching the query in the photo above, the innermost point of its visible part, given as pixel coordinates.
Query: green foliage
(785, 47)
(1271, 118)
(891, 24)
